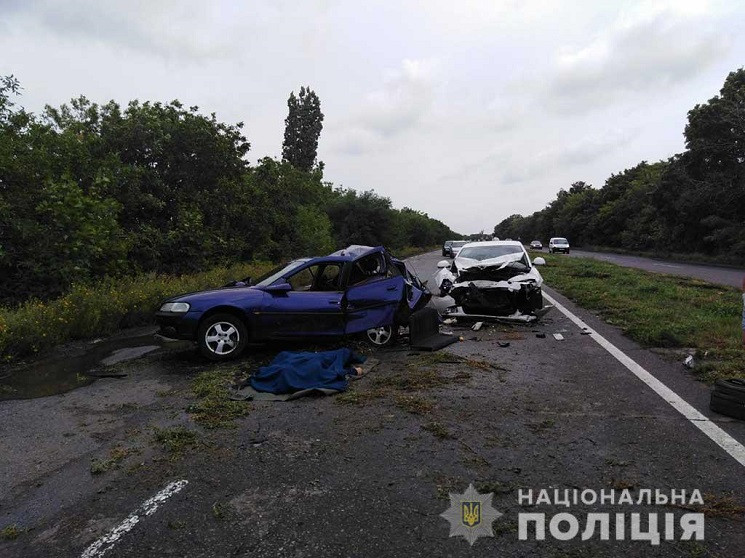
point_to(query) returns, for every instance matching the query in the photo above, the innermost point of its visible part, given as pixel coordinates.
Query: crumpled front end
(497, 297)
(507, 291)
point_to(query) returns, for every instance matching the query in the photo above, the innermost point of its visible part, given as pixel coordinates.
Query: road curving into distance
(714, 274)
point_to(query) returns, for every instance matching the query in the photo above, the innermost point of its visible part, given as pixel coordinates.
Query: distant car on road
(455, 247)
(536, 245)
(446, 247)
(558, 244)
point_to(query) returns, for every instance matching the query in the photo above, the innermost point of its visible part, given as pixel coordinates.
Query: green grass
(176, 440)
(659, 310)
(116, 456)
(214, 409)
(10, 532)
(101, 309)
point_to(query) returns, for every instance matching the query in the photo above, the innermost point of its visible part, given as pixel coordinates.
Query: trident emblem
(471, 513)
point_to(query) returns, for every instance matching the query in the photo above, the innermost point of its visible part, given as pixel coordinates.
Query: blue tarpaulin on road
(295, 371)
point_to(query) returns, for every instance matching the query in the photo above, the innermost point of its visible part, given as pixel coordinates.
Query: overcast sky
(469, 110)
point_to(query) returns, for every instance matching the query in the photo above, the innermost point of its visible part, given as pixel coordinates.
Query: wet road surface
(368, 474)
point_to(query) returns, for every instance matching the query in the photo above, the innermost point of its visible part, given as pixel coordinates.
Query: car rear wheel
(222, 337)
(381, 336)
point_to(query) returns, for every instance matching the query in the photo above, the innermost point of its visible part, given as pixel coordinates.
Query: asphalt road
(714, 274)
(370, 474)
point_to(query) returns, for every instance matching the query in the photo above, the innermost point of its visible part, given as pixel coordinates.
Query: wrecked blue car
(358, 290)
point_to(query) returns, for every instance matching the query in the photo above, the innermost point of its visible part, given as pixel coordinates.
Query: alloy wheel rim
(222, 338)
(379, 335)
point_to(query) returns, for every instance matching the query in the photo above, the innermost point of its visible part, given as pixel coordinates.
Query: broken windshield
(488, 252)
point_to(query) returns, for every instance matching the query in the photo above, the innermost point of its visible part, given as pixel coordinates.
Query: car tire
(734, 387)
(382, 336)
(727, 405)
(222, 336)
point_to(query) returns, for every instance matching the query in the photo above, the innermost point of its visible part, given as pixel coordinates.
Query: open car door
(375, 288)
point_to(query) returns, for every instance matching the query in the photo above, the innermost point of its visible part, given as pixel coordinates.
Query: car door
(311, 307)
(373, 293)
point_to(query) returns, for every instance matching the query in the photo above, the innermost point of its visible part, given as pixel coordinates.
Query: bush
(88, 311)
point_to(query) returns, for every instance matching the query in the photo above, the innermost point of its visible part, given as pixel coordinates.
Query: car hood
(502, 268)
(225, 295)
(467, 263)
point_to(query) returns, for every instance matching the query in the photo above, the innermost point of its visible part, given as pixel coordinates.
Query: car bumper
(514, 318)
(565, 250)
(178, 325)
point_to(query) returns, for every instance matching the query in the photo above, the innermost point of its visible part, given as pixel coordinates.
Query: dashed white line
(716, 434)
(149, 507)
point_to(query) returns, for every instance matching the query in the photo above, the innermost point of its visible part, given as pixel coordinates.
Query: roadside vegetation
(106, 210)
(691, 204)
(95, 310)
(656, 310)
(93, 191)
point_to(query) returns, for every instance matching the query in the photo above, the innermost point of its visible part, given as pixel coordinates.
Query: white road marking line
(149, 507)
(717, 435)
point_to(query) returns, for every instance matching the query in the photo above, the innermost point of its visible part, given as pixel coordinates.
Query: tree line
(89, 190)
(692, 203)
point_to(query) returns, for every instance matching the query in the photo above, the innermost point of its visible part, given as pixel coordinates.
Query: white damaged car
(493, 280)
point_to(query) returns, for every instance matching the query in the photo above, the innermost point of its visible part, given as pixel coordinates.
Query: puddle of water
(128, 353)
(59, 373)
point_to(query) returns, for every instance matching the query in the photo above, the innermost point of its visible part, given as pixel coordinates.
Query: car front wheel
(381, 336)
(222, 337)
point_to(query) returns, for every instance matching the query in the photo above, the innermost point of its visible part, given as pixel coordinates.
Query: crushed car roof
(355, 251)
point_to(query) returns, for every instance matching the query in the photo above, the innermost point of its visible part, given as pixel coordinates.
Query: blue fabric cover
(293, 371)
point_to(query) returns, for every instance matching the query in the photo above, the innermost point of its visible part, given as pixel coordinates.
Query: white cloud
(400, 104)
(498, 102)
(653, 47)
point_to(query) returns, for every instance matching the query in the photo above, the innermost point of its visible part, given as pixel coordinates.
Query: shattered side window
(367, 268)
(392, 271)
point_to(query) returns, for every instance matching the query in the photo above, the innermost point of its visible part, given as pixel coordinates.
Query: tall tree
(303, 126)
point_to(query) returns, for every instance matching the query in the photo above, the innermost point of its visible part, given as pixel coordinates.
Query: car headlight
(175, 307)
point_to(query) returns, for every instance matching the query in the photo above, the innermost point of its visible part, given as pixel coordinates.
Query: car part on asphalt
(424, 331)
(728, 398)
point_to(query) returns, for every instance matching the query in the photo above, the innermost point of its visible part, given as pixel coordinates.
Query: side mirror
(278, 288)
(443, 263)
(539, 261)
